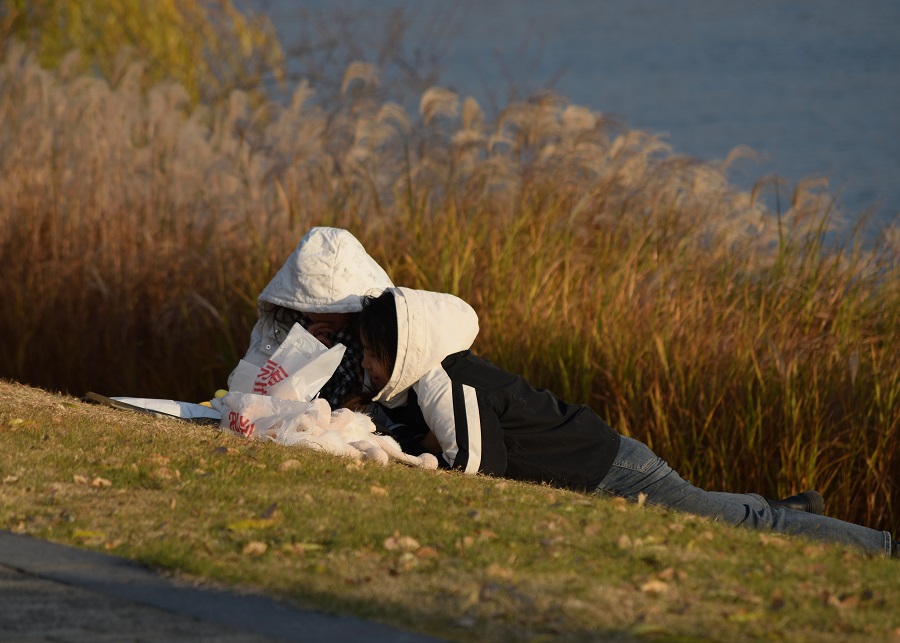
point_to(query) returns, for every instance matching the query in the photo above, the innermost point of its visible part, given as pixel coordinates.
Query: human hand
(430, 443)
(322, 331)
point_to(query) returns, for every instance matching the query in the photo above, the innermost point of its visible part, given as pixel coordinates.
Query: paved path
(51, 592)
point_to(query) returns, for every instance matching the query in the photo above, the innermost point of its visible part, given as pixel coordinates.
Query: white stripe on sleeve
(473, 420)
(435, 392)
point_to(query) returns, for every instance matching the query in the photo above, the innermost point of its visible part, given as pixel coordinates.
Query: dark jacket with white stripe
(487, 420)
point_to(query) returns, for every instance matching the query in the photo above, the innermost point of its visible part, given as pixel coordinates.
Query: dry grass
(136, 232)
(464, 558)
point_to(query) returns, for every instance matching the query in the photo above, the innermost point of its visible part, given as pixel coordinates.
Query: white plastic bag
(263, 416)
(297, 370)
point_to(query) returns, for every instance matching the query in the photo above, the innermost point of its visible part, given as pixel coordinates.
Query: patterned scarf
(347, 379)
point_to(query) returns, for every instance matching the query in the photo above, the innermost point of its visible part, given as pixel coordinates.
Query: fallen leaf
(499, 571)
(85, 534)
(624, 542)
(11, 479)
(287, 465)
(100, 482)
(426, 552)
(401, 543)
(670, 573)
(251, 524)
(162, 473)
(79, 479)
(654, 587)
(255, 548)
(378, 491)
(850, 601)
(465, 542)
(841, 602)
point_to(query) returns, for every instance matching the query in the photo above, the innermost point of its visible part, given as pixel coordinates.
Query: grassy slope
(460, 557)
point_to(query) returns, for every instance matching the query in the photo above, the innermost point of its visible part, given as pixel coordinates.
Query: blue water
(811, 85)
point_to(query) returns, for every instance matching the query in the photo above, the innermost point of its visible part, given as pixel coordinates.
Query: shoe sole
(815, 501)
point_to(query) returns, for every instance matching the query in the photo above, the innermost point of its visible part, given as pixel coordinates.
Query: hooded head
(328, 272)
(430, 326)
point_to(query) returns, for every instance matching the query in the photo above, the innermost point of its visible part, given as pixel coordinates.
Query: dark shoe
(808, 501)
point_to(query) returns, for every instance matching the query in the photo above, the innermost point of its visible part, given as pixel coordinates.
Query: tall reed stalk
(754, 351)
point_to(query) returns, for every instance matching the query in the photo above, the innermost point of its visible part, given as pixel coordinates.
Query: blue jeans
(637, 469)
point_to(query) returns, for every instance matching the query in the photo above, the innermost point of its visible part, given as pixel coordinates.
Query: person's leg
(637, 470)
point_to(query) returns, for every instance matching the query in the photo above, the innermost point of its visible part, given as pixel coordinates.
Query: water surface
(812, 86)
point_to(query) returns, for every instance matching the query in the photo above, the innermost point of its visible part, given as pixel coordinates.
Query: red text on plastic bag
(239, 424)
(268, 376)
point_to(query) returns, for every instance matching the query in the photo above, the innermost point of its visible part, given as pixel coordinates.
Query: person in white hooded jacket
(320, 286)
(479, 418)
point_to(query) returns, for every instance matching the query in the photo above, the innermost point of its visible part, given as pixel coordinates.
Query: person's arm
(413, 439)
(467, 432)
(430, 443)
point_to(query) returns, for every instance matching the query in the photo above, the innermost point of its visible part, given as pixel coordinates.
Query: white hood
(328, 272)
(430, 326)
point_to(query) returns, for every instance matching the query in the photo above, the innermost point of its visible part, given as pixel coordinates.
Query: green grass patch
(464, 558)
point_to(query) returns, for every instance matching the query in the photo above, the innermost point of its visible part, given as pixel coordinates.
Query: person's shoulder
(467, 359)
(473, 370)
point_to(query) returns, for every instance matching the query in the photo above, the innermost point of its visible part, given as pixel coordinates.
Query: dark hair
(282, 314)
(378, 325)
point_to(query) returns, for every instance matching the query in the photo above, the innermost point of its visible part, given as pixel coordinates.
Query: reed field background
(755, 349)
